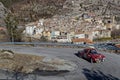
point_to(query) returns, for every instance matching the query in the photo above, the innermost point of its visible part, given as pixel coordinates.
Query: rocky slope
(32, 10)
(3, 13)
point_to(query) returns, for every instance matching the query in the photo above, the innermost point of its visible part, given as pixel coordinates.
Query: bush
(115, 33)
(103, 39)
(12, 28)
(43, 39)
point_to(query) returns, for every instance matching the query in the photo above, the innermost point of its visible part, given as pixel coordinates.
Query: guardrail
(47, 44)
(69, 45)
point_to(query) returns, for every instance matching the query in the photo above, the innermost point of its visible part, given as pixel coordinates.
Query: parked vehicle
(92, 55)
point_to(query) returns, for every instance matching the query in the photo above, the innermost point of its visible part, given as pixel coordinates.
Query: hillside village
(82, 27)
(61, 29)
(86, 21)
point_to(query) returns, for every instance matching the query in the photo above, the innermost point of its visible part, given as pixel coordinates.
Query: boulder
(6, 54)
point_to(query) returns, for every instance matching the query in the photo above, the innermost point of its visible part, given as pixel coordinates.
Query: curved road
(107, 70)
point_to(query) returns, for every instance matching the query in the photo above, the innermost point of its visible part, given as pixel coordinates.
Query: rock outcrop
(3, 13)
(6, 54)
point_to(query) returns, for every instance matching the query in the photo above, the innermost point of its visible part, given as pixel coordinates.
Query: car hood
(98, 56)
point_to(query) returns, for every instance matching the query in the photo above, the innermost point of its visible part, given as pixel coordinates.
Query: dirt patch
(23, 63)
(28, 63)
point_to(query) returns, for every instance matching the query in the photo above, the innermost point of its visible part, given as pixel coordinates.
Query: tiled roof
(2, 28)
(82, 40)
(118, 45)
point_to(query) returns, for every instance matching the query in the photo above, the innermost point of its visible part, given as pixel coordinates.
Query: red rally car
(92, 55)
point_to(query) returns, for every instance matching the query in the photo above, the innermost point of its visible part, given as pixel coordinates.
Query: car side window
(93, 52)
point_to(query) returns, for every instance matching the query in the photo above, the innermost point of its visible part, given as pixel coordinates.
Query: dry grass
(24, 63)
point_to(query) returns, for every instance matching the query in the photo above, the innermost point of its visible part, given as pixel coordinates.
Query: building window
(109, 21)
(86, 36)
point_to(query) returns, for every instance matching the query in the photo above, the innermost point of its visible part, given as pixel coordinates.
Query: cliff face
(3, 13)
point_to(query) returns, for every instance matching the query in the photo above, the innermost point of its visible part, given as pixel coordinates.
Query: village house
(105, 33)
(81, 41)
(47, 34)
(29, 28)
(101, 34)
(60, 36)
(87, 17)
(109, 22)
(82, 37)
(33, 30)
(64, 37)
(117, 26)
(89, 35)
(70, 36)
(54, 35)
(79, 35)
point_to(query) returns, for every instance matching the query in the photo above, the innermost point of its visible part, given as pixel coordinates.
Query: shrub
(103, 39)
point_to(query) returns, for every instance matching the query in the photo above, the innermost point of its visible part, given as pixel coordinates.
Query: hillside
(32, 10)
(29, 10)
(3, 13)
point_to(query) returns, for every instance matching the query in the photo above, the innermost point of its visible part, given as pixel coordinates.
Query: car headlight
(96, 59)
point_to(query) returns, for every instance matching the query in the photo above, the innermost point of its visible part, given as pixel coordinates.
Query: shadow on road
(77, 55)
(50, 73)
(30, 76)
(97, 75)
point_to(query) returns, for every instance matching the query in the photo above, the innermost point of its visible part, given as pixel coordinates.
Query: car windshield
(93, 51)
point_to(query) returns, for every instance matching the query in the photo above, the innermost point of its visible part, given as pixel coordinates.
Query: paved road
(108, 70)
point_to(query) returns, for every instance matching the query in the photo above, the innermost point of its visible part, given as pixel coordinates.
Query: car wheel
(91, 60)
(80, 55)
(103, 60)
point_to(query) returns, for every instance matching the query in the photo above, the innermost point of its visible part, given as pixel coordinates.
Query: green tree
(115, 33)
(12, 30)
(43, 39)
